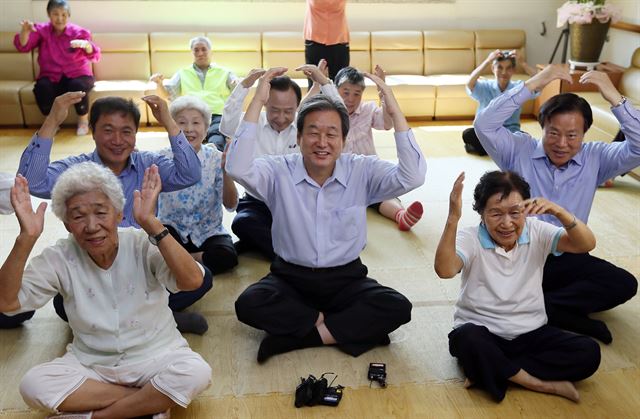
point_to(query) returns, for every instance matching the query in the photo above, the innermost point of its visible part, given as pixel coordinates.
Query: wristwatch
(156, 239)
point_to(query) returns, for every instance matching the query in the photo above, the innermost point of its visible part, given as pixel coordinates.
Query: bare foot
(467, 383)
(563, 388)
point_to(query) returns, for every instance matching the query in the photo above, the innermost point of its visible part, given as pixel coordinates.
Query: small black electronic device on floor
(378, 373)
(312, 391)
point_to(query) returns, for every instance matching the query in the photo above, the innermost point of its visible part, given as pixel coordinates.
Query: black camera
(312, 391)
(378, 373)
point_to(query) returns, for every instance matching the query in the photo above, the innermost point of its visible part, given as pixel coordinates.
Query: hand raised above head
(379, 71)
(538, 206)
(31, 223)
(314, 73)
(27, 26)
(547, 75)
(264, 83)
(157, 78)
(252, 77)
(604, 84)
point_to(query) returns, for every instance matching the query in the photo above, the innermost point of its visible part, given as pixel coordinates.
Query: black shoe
(472, 150)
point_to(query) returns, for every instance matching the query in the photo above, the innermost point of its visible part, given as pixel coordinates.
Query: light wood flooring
(424, 380)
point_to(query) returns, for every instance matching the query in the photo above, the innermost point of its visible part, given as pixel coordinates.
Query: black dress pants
(356, 309)
(548, 353)
(218, 253)
(252, 225)
(337, 56)
(584, 284)
(472, 143)
(46, 91)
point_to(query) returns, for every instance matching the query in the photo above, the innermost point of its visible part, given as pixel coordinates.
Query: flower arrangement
(584, 11)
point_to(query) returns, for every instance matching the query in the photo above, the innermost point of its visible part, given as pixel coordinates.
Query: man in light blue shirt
(564, 169)
(503, 65)
(317, 292)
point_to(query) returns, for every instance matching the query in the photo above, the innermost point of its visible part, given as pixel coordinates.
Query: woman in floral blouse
(194, 215)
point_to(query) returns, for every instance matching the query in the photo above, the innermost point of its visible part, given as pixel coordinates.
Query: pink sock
(407, 218)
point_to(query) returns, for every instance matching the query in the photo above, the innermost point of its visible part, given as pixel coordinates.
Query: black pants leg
(77, 84)
(337, 56)
(214, 136)
(252, 225)
(357, 309)
(472, 143)
(547, 353)
(11, 322)
(45, 92)
(183, 299)
(218, 255)
(584, 284)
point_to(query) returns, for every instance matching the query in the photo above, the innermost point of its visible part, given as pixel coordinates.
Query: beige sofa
(427, 69)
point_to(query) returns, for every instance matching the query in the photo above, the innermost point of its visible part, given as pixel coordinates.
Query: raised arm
(391, 104)
(388, 121)
(158, 79)
(447, 263)
(232, 112)
(531, 71)
(577, 238)
(229, 190)
(31, 226)
(22, 38)
(477, 72)
(185, 269)
(318, 74)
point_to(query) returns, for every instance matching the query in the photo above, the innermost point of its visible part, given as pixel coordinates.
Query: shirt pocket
(344, 223)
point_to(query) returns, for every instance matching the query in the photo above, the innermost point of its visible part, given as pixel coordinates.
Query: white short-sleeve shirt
(118, 315)
(503, 290)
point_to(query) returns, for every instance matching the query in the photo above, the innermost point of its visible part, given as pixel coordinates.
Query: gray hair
(191, 102)
(198, 39)
(82, 178)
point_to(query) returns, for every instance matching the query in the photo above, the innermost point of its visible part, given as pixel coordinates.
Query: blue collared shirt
(485, 91)
(322, 226)
(177, 173)
(573, 185)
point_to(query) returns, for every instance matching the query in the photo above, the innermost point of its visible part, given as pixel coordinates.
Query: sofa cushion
(448, 52)
(125, 56)
(506, 39)
(238, 51)
(283, 49)
(170, 51)
(398, 52)
(15, 65)
(360, 51)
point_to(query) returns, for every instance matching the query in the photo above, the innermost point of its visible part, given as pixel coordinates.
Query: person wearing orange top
(326, 34)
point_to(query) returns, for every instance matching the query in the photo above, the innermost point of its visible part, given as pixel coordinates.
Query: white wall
(155, 15)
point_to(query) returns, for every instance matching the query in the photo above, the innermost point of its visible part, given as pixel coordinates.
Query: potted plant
(588, 25)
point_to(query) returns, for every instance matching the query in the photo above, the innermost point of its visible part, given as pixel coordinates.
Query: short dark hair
(350, 75)
(566, 103)
(321, 102)
(110, 105)
(495, 182)
(55, 4)
(511, 58)
(284, 83)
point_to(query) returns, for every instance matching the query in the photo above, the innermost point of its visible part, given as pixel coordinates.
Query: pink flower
(583, 12)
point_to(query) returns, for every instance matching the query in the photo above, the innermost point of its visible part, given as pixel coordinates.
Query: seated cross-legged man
(318, 292)
(503, 65)
(566, 170)
(127, 358)
(500, 333)
(204, 79)
(114, 122)
(276, 136)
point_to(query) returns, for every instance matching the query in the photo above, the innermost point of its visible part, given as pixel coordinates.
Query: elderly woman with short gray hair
(127, 358)
(194, 215)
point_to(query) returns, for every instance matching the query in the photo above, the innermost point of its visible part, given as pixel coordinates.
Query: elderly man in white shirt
(276, 135)
(318, 292)
(127, 358)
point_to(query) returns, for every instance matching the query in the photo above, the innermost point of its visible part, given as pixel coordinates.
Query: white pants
(179, 374)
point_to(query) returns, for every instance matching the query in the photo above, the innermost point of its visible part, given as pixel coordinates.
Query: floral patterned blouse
(196, 212)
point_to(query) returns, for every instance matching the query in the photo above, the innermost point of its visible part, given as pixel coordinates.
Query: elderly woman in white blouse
(194, 215)
(127, 358)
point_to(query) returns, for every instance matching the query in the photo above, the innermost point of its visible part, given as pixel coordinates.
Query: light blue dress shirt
(572, 186)
(177, 173)
(322, 226)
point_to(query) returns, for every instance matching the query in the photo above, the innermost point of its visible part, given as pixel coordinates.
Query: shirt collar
(300, 173)
(539, 153)
(130, 163)
(487, 242)
(358, 110)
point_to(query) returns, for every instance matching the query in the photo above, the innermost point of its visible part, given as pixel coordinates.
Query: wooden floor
(424, 380)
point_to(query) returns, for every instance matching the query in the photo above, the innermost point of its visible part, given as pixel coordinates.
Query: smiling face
(58, 18)
(201, 55)
(562, 137)
(351, 95)
(194, 126)
(115, 137)
(503, 70)
(281, 109)
(321, 143)
(504, 219)
(93, 221)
